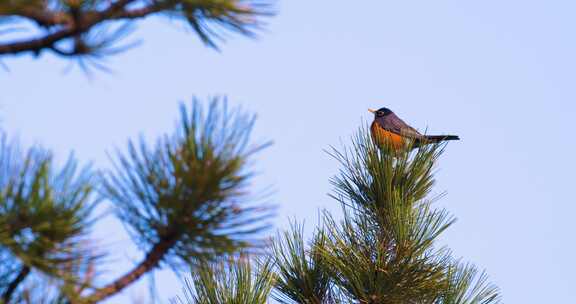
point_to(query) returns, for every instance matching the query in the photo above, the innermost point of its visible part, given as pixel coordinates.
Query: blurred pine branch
(45, 217)
(91, 30)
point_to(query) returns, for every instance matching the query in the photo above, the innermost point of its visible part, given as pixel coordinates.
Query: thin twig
(151, 260)
(14, 284)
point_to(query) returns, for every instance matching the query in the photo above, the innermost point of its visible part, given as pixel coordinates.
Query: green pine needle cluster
(231, 281)
(303, 273)
(191, 187)
(45, 216)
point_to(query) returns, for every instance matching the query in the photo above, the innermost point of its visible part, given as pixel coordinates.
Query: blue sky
(500, 74)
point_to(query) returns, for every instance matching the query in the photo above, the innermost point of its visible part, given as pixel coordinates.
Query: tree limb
(151, 260)
(36, 45)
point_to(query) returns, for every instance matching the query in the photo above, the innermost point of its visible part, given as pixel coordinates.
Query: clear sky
(501, 74)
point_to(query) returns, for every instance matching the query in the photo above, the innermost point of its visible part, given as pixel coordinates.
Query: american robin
(389, 128)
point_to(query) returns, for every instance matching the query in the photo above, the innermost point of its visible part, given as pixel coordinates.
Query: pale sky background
(501, 74)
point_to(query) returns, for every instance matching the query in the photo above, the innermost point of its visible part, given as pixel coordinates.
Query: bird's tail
(439, 138)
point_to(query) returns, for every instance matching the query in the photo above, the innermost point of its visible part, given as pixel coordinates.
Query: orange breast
(382, 136)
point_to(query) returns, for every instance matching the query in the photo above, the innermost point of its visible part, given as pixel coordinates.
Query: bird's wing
(396, 125)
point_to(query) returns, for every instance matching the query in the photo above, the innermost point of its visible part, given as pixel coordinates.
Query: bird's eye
(379, 113)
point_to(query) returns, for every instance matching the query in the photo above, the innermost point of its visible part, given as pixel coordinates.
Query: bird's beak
(371, 111)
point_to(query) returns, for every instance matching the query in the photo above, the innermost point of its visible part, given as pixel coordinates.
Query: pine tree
(383, 250)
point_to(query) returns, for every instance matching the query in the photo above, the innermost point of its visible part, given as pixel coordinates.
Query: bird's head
(380, 112)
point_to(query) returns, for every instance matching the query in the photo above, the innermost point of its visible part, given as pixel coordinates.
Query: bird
(387, 128)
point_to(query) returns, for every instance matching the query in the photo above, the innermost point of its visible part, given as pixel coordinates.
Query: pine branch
(76, 23)
(466, 285)
(182, 198)
(229, 281)
(44, 215)
(383, 250)
(302, 272)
